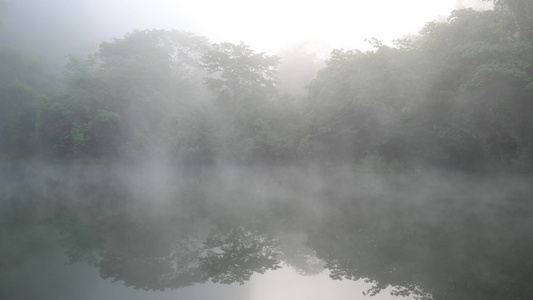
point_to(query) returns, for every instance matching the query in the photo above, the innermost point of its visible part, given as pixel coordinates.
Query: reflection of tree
(155, 243)
(359, 254)
(440, 243)
(156, 270)
(467, 247)
(296, 255)
(24, 228)
(148, 254)
(152, 248)
(23, 233)
(442, 249)
(234, 256)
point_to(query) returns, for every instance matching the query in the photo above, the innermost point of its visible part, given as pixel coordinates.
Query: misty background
(58, 28)
(266, 150)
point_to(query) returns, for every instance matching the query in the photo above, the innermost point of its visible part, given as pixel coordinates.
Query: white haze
(238, 192)
(271, 25)
(264, 25)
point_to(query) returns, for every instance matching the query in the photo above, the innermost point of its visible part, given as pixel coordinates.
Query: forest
(458, 96)
(164, 161)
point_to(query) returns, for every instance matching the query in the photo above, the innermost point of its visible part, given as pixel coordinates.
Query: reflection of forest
(445, 236)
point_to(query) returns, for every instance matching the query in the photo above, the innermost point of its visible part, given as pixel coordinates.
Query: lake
(153, 231)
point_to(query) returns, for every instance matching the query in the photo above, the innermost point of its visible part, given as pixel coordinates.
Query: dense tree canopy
(454, 96)
(457, 95)
(522, 13)
(243, 73)
(128, 99)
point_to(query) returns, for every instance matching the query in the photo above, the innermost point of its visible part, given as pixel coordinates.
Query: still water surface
(154, 232)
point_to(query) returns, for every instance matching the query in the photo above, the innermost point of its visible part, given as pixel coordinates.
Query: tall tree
(454, 96)
(240, 73)
(243, 83)
(522, 12)
(127, 98)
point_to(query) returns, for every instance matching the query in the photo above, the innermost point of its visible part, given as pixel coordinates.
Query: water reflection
(440, 236)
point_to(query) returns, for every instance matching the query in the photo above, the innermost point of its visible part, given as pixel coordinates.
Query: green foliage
(243, 73)
(522, 13)
(151, 62)
(149, 74)
(126, 100)
(358, 98)
(454, 97)
(70, 127)
(243, 82)
(192, 137)
(457, 95)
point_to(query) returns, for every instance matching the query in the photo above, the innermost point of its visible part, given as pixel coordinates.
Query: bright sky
(274, 24)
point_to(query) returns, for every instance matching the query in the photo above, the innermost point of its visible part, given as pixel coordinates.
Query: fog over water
(429, 229)
(48, 277)
(266, 150)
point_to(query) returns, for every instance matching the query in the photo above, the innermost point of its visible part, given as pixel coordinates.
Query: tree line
(457, 95)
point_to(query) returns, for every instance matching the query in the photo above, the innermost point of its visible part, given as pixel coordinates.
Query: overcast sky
(264, 25)
(271, 25)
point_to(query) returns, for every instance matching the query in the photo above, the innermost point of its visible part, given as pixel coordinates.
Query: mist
(391, 230)
(252, 151)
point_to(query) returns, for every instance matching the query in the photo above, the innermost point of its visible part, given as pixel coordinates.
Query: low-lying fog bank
(153, 227)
